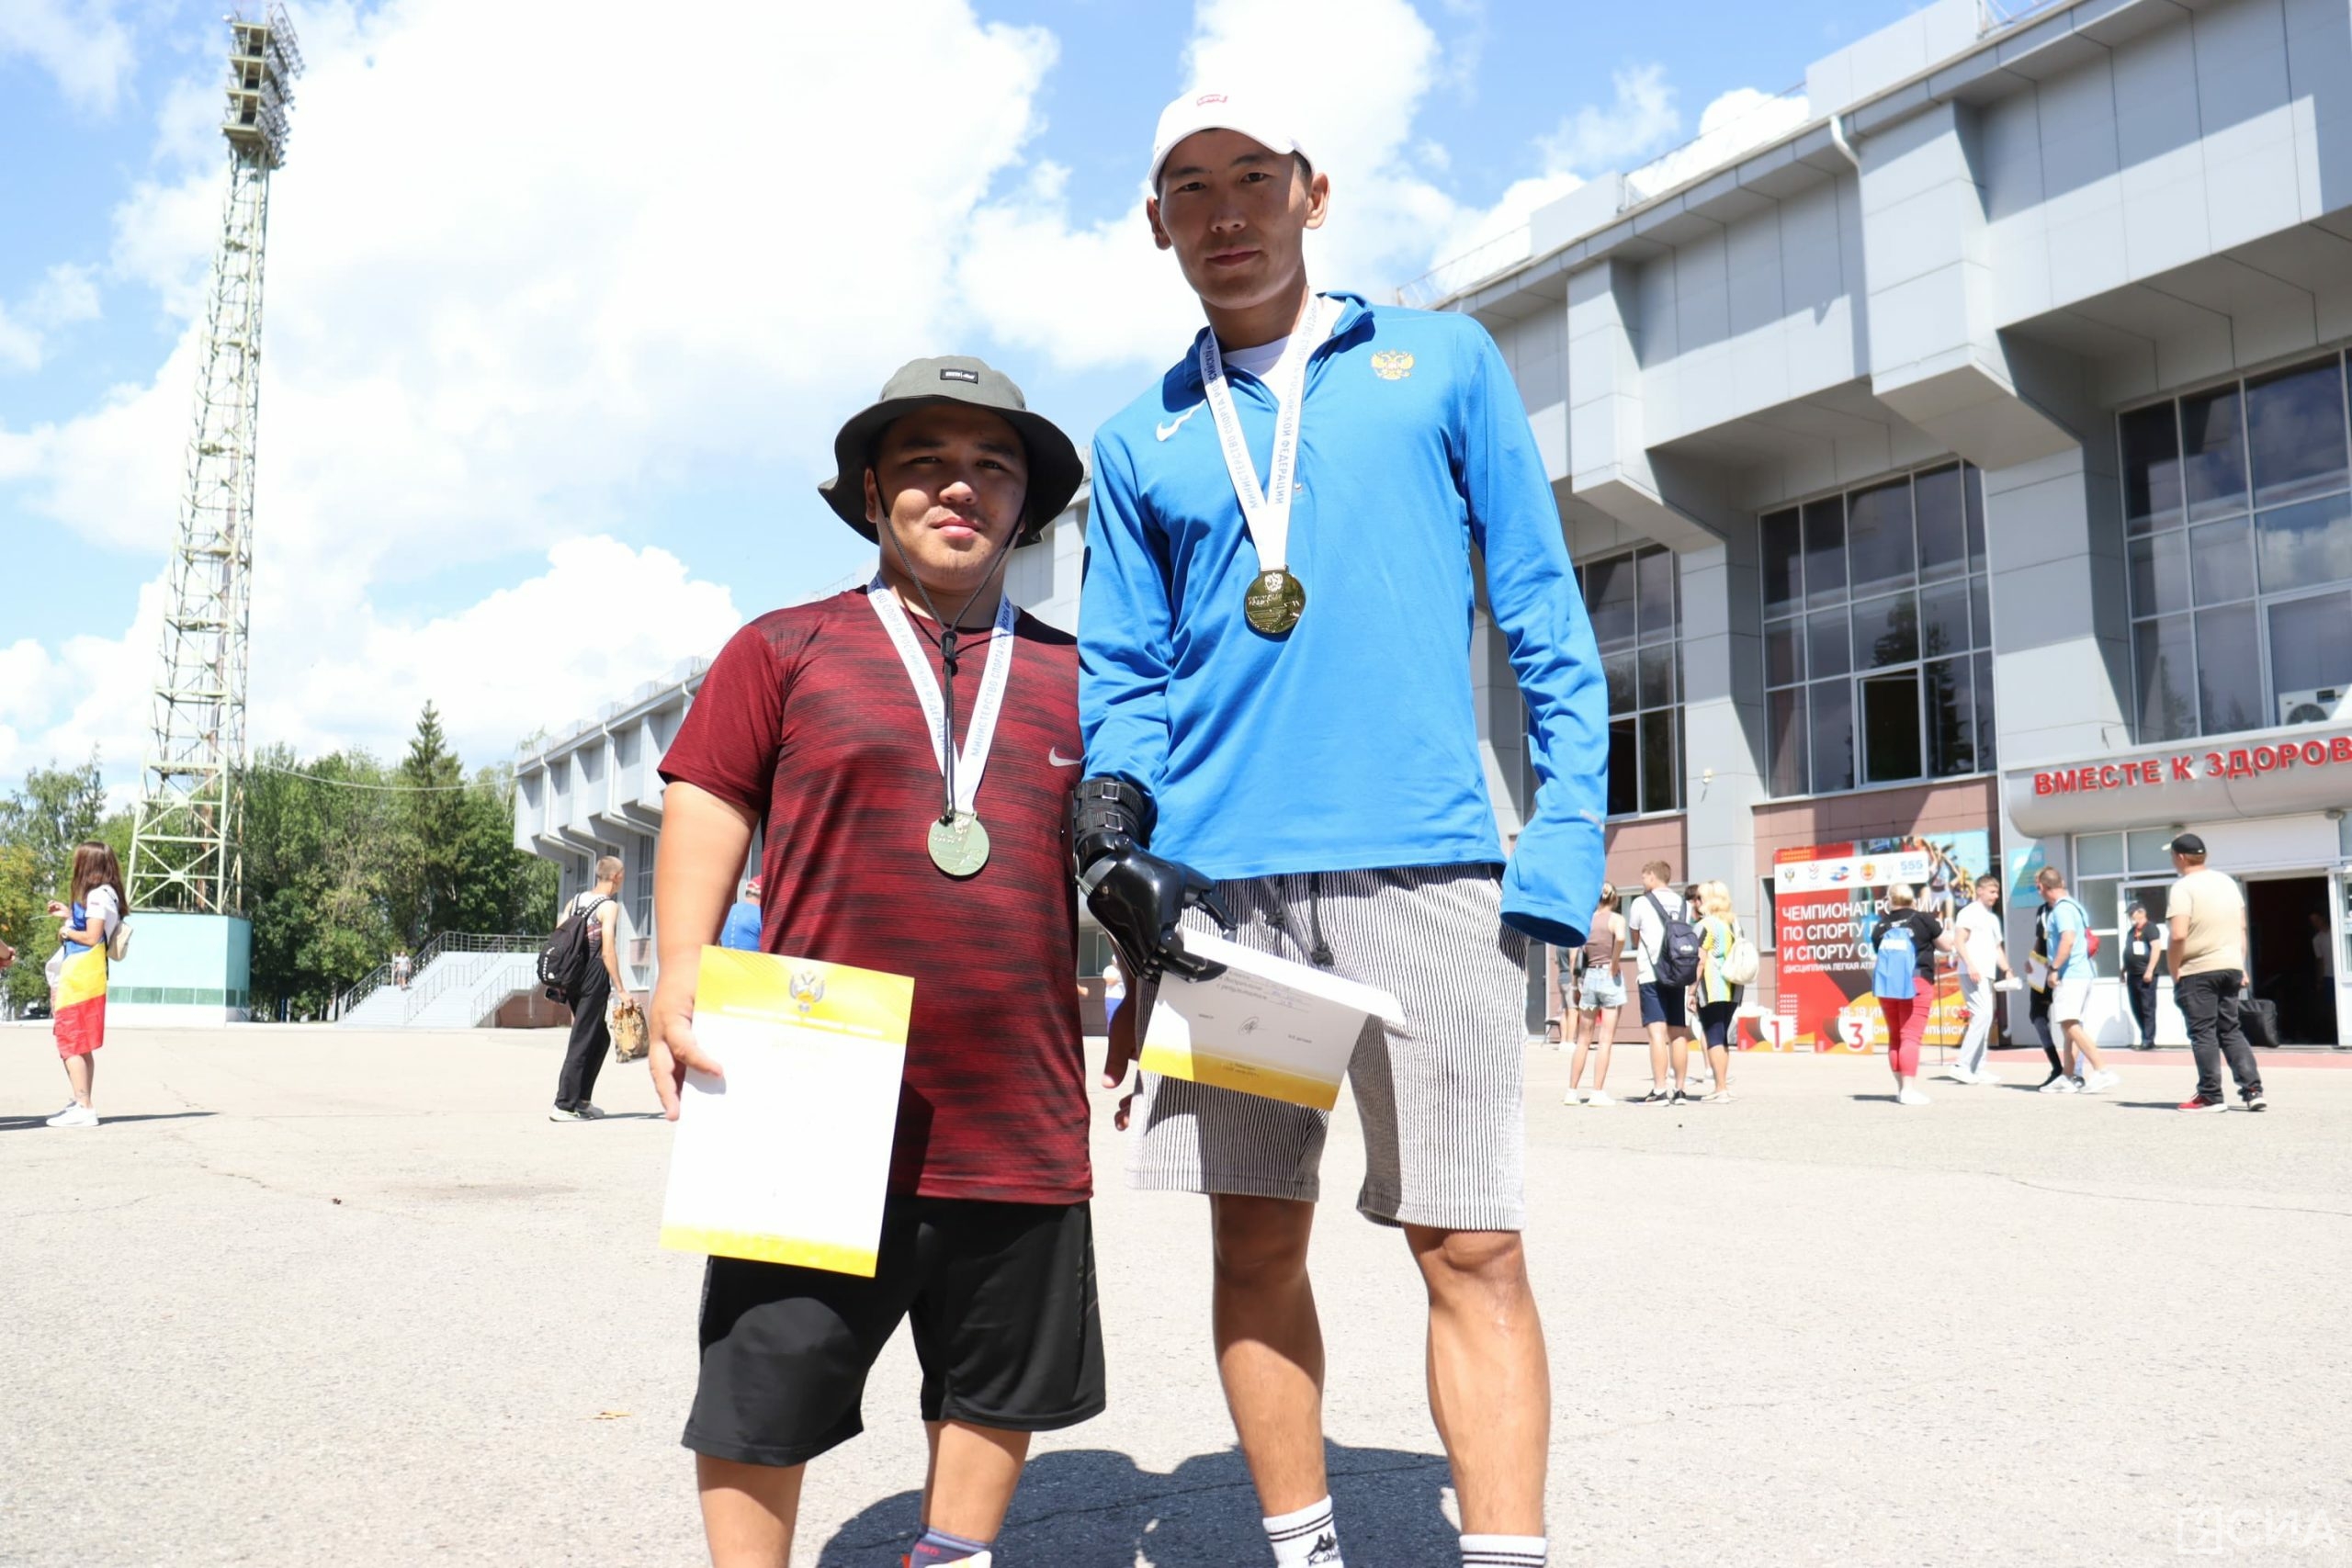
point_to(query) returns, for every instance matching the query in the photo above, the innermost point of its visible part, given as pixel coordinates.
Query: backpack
(1677, 963)
(566, 961)
(1742, 964)
(1896, 973)
(2047, 948)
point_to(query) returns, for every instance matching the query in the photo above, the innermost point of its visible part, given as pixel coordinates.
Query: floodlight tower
(185, 852)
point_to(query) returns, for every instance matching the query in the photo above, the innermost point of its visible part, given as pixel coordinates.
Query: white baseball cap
(1211, 109)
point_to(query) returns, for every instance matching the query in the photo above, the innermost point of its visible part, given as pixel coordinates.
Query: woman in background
(1718, 997)
(1601, 991)
(78, 1006)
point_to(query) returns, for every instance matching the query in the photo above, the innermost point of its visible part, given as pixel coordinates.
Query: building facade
(1993, 425)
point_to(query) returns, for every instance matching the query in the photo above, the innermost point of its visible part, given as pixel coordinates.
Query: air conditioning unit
(2316, 706)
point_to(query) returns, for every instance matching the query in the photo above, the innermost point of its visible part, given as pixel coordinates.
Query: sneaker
(588, 1112)
(1599, 1098)
(2198, 1103)
(1573, 1097)
(2103, 1079)
(1655, 1096)
(1988, 1078)
(1961, 1075)
(1721, 1097)
(1912, 1097)
(561, 1114)
(2254, 1101)
(74, 1116)
(2061, 1084)
(1682, 1099)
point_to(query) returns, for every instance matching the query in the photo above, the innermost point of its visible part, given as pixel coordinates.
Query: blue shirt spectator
(743, 927)
(2067, 917)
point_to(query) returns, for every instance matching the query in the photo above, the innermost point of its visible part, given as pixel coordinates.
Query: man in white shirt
(1664, 1011)
(1984, 957)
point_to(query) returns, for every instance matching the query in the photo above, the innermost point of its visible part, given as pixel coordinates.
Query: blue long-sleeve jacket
(1352, 743)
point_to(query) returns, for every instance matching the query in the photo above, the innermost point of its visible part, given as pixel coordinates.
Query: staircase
(458, 980)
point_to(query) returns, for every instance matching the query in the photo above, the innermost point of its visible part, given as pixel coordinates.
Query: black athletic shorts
(1005, 1318)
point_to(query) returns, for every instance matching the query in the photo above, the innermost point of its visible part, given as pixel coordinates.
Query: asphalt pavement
(313, 1296)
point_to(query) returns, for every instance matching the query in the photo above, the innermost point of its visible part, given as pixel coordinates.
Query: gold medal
(959, 847)
(1274, 601)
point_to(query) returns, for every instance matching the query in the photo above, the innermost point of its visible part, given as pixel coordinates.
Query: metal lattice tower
(185, 851)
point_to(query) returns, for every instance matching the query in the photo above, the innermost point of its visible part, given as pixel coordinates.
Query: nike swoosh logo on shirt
(1053, 755)
(1165, 431)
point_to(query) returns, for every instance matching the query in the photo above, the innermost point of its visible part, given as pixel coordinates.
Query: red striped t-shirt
(809, 718)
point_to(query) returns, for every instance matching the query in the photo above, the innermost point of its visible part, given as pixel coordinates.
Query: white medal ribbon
(972, 757)
(1265, 511)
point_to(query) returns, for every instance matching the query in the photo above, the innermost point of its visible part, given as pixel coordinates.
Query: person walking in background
(1907, 942)
(591, 1030)
(2144, 944)
(1664, 1004)
(1600, 994)
(78, 995)
(1559, 997)
(1718, 997)
(2071, 973)
(741, 930)
(1114, 993)
(401, 968)
(1982, 953)
(2207, 957)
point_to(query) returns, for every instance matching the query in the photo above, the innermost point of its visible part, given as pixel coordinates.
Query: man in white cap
(1282, 734)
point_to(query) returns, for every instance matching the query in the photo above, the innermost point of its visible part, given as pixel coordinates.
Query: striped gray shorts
(1440, 1100)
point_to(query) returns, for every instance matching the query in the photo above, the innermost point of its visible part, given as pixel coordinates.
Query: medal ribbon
(972, 759)
(1266, 511)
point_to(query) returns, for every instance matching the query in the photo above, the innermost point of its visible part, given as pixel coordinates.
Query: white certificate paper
(786, 1158)
(1267, 1026)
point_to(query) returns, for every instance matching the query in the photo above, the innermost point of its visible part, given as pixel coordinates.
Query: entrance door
(2290, 936)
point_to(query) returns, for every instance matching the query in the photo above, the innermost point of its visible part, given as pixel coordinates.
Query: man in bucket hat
(909, 749)
(1275, 655)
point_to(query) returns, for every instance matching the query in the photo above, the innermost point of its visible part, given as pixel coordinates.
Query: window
(1635, 603)
(2237, 526)
(1878, 665)
(2113, 872)
(641, 888)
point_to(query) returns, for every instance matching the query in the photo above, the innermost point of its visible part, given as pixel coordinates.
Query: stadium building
(1959, 477)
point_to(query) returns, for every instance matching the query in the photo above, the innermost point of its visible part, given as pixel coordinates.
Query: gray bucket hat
(1055, 471)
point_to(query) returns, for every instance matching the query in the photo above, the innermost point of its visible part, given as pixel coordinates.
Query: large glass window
(1878, 635)
(2237, 523)
(2113, 872)
(1635, 603)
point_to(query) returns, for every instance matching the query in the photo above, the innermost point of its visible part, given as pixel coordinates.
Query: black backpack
(566, 960)
(1677, 963)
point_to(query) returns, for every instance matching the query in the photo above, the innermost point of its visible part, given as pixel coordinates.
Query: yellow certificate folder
(1266, 1025)
(787, 1158)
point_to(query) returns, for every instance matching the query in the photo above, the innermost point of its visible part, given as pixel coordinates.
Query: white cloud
(81, 43)
(1639, 120)
(67, 295)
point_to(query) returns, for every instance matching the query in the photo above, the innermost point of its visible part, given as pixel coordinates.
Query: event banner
(1827, 899)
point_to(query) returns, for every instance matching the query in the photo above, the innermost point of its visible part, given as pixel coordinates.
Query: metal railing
(1482, 261)
(1765, 120)
(440, 942)
(445, 974)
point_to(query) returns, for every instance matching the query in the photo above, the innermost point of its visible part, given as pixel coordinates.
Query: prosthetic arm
(1136, 896)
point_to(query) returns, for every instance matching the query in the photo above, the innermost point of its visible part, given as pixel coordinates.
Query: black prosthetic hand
(1136, 896)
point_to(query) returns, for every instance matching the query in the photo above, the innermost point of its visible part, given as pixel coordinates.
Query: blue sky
(556, 349)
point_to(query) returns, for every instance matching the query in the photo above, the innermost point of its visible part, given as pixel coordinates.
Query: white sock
(1306, 1537)
(1505, 1551)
